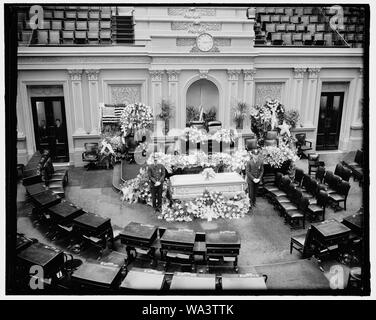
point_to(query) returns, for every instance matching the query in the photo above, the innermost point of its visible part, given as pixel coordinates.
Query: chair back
(271, 135)
(299, 174)
(313, 158)
(328, 176)
(346, 174)
(300, 137)
(285, 182)
(250, 144)
(278, 179)
(322, 199)
(91, 147)
(303, 204)
(320, 173)
(270, 143)
(297, 197)
(335, 182)
(291, 190)
(313, 188)
(359, 157)
(344, 188)
(306, 253)
(306, 181)
(338, 170)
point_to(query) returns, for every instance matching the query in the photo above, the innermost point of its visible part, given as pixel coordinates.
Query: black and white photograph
(187, 149)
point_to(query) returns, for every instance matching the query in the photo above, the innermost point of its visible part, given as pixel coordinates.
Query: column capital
(299, 72)
(156, 75)
(203, 73)
(92, 74)
(233, 74)
(313, 73)
(75, 74)
(173, 75)
(249, 74)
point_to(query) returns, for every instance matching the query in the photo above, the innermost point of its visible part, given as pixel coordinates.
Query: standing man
(156, 173)
(254, 171)
(59, 131)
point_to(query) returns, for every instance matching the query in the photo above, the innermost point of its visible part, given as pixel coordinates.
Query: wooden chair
(298, 178)
(314, 162)
(295, 216)
(320, 173)
(341, 194)
(300, 243)
(303, 145)
(91, 155)
(315, 210)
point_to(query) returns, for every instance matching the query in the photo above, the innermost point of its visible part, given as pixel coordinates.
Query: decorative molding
(75, 74)
(361, 73)
(268, 91)
(249, 74)
(299, 72)
(218, 42)
(126, 94)
(41, 91)
(204, 73)
(92, 74)
(197, 50)
(192, 12)
(313, 73)
(173, 75)
(233, 74)
(156, 75)
(196, 26)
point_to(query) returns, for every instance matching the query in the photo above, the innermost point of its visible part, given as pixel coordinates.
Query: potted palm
(193, 114)
(166, 113)
(240, 112)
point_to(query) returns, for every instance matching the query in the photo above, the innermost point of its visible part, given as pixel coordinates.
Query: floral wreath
(136, 117)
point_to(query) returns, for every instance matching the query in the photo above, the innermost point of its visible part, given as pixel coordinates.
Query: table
(95, 274)
(143, 279)
(139, 237)
(22, 242)
(64, 212)
(36, 188)
(191, 186)
(192, 281)
(50, 258)
(223, 246)
(355, 223)
(243, 282)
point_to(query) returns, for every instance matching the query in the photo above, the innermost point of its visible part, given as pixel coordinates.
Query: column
(358, 101)
(92, 76)
(233, 80)
(173, 94)
(76, 76)
(297, 92)
(310, 97)
(249, 93)
(156, 89)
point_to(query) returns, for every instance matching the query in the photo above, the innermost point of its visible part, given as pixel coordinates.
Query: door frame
(63, 114)
(339, 121)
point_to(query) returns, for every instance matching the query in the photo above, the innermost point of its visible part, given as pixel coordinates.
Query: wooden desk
(92, 225)
(50, 258)
(243, 282)
(64, 212)
(143, 279)
(192, 281)
(355, 223)
(330, 231)
(224, 246)
(97, 275)
(22, 243)
(45, 199)
(36, 188)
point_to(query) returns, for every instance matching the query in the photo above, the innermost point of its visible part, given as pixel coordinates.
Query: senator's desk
(44, 200)
(22, 242)
(192, 281)
(36, 188)
(92, 226)
(222, 246)
(139, 237)
(49, 258)
(96, 275)
(64, 212)
(329, 234)
(143, 279)
(177, 245)
(355, 223)
(243, 282)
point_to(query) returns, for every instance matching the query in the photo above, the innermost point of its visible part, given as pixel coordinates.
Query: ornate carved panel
(218, 42)
(45, 91)
(75, 74)
(192, 13)
(125, 93)
(299, 73)
(313, 73)
(249, 74)
(173, 75)
(268, 91)
(196, 27)
(334, 86)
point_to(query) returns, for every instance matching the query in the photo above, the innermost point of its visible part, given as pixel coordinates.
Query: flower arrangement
(208, 173)
(291, 117)
(240, 112)
(225, 135)
(135, 117)
(238, 161)
(276, 156)
(193, 113)
(209, 206)
(195, 135)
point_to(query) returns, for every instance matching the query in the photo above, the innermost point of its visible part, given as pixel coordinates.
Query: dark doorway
(329, 126)
(50, 126)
